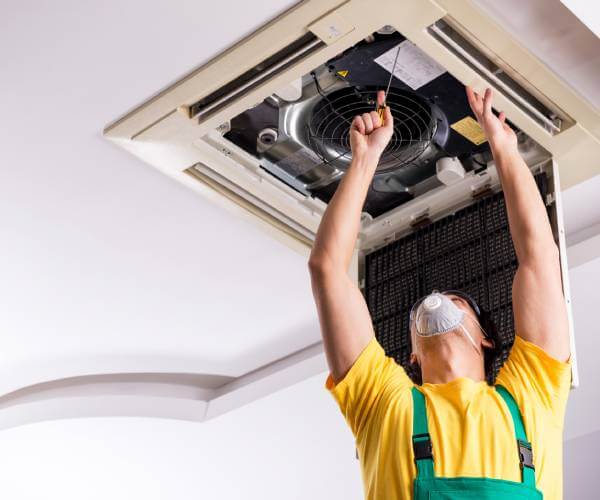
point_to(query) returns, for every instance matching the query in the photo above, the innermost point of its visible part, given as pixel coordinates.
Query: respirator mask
(436, 314)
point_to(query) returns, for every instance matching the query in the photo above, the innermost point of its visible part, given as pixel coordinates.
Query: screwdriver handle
(381, 112)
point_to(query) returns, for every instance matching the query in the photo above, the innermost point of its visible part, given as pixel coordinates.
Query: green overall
(429, 487)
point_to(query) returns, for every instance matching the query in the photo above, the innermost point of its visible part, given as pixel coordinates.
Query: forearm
(338, 230)
(539, 308)
(540, 314)
(527, 216)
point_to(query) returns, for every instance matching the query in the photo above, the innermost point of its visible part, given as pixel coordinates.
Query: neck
(448, 361)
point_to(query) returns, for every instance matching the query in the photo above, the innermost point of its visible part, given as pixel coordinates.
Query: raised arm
(538, 303)
(343, 314)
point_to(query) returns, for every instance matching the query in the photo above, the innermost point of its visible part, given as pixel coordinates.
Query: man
(411, 438)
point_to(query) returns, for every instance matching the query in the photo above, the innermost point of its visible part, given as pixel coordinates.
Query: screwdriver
(381, 109)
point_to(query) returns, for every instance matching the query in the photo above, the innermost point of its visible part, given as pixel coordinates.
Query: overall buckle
(525, 454)
(422, 448)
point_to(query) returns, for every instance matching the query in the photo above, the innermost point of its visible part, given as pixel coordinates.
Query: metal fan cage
(328, 129)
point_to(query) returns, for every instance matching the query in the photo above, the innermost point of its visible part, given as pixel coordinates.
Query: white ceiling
(553, 33)
(587, 12)
(107, 264)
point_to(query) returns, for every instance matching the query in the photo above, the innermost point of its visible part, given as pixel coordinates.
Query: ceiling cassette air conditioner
(262, 129)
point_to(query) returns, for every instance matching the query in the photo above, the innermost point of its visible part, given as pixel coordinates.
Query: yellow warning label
(469, 128)
(343, 73)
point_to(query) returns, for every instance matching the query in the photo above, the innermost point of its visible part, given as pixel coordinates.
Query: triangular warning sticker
(343, 73)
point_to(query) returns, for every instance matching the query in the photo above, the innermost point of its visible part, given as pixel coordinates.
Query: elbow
(535, 252)
(318, 265)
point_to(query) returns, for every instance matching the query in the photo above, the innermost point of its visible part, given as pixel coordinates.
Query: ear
(414, 359)
(488, 343)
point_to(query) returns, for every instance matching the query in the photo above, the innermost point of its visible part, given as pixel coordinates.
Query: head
(465, 350)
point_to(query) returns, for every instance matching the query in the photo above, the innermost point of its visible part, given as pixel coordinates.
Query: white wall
(581, 466)
(290, 445)
(293, 444)
(583, 411)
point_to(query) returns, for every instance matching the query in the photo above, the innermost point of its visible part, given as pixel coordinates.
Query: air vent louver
(502, 77)
(267, 69)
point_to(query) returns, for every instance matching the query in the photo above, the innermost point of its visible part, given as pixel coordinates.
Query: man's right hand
(368, 136)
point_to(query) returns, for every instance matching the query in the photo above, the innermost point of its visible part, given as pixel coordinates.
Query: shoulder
(371, 383)
(533, 375)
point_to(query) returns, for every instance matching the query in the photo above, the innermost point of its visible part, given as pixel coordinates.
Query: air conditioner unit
(262, 129)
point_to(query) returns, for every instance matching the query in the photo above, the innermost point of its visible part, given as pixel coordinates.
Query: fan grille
(328, 128)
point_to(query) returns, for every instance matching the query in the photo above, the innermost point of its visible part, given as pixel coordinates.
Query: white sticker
(414, 67)
(301, 161)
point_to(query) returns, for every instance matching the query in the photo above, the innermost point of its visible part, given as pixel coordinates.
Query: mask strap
(477, 323)
(470, 339)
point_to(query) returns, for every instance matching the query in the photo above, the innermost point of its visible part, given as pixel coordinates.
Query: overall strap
(524, 446)
(421, 440)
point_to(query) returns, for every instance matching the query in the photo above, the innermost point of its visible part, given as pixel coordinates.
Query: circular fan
(328, 128)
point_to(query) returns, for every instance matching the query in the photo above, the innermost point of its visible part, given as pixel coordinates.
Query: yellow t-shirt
(471, 429)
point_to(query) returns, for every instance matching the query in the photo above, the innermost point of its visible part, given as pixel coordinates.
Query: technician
(444, 432)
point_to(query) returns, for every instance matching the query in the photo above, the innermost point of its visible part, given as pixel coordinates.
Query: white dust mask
(437, 314)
